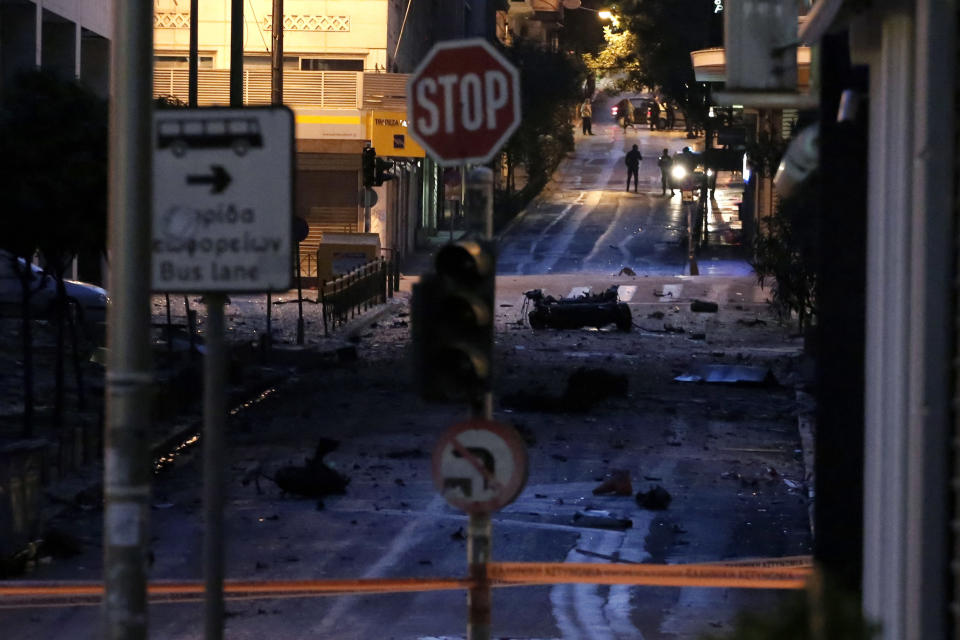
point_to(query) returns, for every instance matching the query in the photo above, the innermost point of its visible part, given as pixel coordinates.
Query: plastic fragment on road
(730, 374)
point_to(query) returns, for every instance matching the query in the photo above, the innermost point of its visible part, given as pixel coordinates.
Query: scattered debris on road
(314, 479)
(586, 387)
(656, 499)
(704, 306)
(589, 310)
(739, 374)
(597, 519)
(616, 483)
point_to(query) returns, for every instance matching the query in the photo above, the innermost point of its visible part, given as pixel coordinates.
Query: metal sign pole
(214, 399)
(127, 473)
(477, 195)
(214, 417)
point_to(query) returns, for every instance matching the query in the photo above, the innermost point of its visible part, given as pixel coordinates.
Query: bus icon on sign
(239, 134)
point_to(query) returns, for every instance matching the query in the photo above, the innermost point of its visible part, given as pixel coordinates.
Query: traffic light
(453, 316)
(381, 175)
(369, 166)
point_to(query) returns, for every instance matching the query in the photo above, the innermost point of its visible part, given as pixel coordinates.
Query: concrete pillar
(95, 63)
(18, 40)
(58, 46)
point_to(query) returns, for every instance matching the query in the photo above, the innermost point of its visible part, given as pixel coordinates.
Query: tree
(551, 89)
(664, 33)
(53, 141)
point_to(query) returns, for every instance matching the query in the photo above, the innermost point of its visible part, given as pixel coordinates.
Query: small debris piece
(406, 453)
(704, 306)
(656, 315)
(627, 271)
(601, 520)
(738, 374)
(657, 499)
(314, 479)
(588, 386)
(347, 353)
(751, 323)
(669, 328)
(60, 544)
(616, 483)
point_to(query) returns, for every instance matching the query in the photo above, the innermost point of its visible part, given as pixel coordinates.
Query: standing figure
(631, 115)
(586, 113)
(632, 160)
(670, 117)
(654, 115)
(665, 162)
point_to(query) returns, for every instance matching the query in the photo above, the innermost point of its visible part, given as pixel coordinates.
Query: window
(265, 62)
(330, 64)
(182, 61)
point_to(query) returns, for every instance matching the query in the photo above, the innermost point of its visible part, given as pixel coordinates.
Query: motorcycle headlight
(709, 172)
(679, 172)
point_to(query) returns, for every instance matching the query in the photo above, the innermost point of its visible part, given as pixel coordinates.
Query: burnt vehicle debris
(589, 310)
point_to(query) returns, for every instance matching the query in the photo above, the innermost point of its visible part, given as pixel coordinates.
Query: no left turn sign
(480, 466)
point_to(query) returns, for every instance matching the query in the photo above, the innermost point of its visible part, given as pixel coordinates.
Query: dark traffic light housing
(380, 173)
(369, 166)
(453, 318)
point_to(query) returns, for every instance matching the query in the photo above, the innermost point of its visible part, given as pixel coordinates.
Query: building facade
(64, 36)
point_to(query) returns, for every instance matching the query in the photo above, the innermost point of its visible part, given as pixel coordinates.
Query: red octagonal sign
(464, 101)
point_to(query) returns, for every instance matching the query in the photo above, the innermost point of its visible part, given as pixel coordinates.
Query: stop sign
(464, 101)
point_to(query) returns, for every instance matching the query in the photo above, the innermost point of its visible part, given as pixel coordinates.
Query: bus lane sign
(222, 200)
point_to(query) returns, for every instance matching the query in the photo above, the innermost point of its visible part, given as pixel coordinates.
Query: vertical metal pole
(236, 53)
(276, 75)
(478, 596)
(214, 418)
(476, 195)
(127, 472)
(193, 64)
(214, 399)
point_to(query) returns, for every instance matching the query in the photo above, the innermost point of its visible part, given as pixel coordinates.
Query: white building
(67, 36)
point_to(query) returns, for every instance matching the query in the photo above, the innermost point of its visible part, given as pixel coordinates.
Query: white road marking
(672, 290)
(408, 537)
(579, 610)
(626, 292)
(578, 292)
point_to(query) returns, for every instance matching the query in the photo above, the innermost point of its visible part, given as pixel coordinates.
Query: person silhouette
(632, 160)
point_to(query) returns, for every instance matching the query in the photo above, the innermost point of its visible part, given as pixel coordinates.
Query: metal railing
(323, 89)
(353, 293)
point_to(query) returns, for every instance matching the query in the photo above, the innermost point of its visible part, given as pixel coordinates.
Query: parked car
(87, 302)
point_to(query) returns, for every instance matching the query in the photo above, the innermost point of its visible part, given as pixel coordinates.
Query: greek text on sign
(223, 199)
(464, 101)
(480, 466)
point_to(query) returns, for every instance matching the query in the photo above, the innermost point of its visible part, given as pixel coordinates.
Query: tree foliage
(660, 35)
(53, 174)
(786, 253)
(617, 56)
(551, 89)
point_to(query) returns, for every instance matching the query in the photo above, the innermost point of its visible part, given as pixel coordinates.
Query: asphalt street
(728, 455)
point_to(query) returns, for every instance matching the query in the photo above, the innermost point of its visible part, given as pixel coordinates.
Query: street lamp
(603, 14)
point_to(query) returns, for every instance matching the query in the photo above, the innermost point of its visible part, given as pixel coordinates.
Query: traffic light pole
(478, 201)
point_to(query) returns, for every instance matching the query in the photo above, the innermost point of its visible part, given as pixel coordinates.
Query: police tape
(661, 575)
(761, 573)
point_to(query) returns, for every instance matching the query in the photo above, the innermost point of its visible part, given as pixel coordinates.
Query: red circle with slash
(480, 466)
